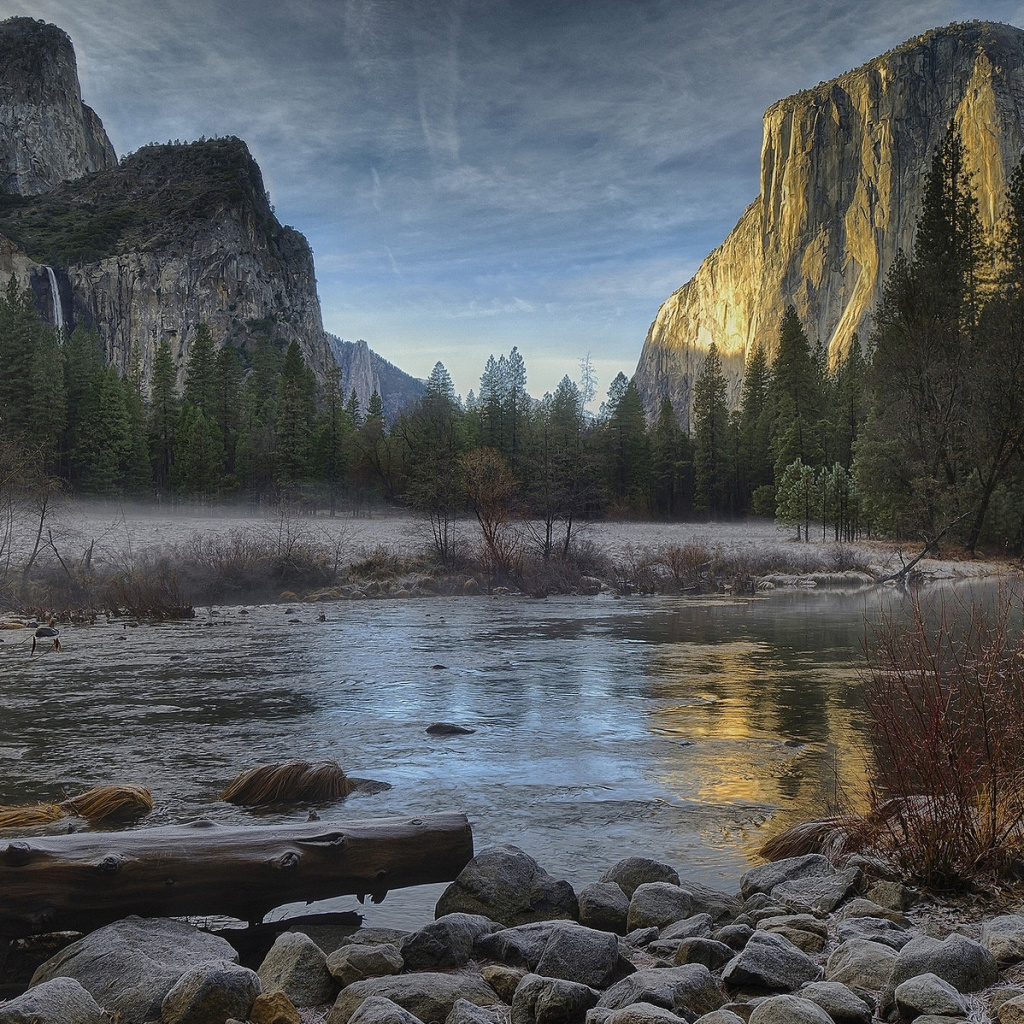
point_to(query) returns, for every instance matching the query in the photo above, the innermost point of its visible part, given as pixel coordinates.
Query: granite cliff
(146, 249)
(842, 171)
(364, 371)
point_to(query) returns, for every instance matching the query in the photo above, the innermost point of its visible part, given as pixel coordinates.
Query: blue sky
(478, 174)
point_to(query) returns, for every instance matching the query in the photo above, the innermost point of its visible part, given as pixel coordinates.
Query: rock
(875, 929)
(508, 886)
(211, 992)
(632, 872)
(722, 1016)
(927, 993)
(58, 1001)
(355, 962)
(1004, 938)
(967, 965)
(1010, 1011)
(465, 1012)
(770, 962)
(734, 935)
(504, 980)
(664, 949)
(817, 895)
(522, 946)
(330, 938)
(689, 988)
(861, 964)
(540, 1000)
(605, 906)
(892, 896)
(657, 904)
(788, 1010)
(861, 907)
(448, 729)
(708, 952)
(696, 926)
(428, 996)
(765, 877)
(642, 936)
(582, 955)
(445, 942)
(718, 905)
(842, 1004)
(381, 1010)
(274, 1008)
(803, 930)
(129, 966)
(642, 1013)
(297, 966)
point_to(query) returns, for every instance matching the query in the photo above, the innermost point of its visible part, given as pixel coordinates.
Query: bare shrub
(945, 695)
(690, 564)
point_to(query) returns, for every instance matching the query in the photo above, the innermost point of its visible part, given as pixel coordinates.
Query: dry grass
(111, 803)
(28, 817)
(288, 782)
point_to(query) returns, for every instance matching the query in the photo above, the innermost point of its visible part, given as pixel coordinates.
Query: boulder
(129, 966)
(642, 1013)
(893, 896)
(817, 895)
(58, 1001)
(861, 964)
(429, 996)
(688, 988)
(765, 877)
(696, 950)
(522, 946)
(274, 1008)
(861, 907)
(605, 906)
(642, 936)
(551, 1001)
(331, 937)
(504, 980)
(297, 966)
(719, 905)
(446, 942)
(927, 993)
(352, 963)
(381, 1010)
(209, 992)
(804, 931)
(632, 872)
(657, 904)
(770, 962)
(967, 965)
(874, 929)
(697, 926)
(1011, 1011)
(722, 1016)
(465, 1012)
(584, 955)
(1004, 938)
(841, 1003)
(788, 1010)
(507, 885)
(734, 935)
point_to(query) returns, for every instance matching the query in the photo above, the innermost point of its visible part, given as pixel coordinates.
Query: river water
(684, 729)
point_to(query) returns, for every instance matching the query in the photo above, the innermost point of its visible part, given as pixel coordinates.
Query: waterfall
(58, 311)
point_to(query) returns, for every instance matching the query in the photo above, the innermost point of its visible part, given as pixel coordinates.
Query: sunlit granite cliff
(842, 171)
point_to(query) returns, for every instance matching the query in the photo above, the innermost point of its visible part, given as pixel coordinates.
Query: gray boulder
(508, 886)
(927, 993)
(129, 966)
(465, 1012)
(861, 964)
(632, 872)
(1004, 938)
(584, 955)
(429, 996)
(354, 962)
(605, 906)
(788, 1010)
(504, 980)
(689, 988)
(213, 991)
(722, 1016)
(817, 895)
(657, 904)
(967, 965)
(734, 935)
(713, 902)
(697, 926)
(381, 1010)
(445, 942)
(765, 877)
(297, 966)
(642, 1013)
(841, 1003)
(697, 950)
(804, 931)
(893, 896)
(551, 1001)
(59, 1001)
(521, 946)
(639, 937)
(862, 907)
(771, 962)
(874, 929)
(1010, 1011)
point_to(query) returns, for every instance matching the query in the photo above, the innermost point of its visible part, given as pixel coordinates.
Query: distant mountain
(842, 171)
(365, 372)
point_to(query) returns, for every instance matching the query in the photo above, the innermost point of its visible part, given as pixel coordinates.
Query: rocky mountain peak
(47, 134)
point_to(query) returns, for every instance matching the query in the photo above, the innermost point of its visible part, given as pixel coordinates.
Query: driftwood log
(82, 881)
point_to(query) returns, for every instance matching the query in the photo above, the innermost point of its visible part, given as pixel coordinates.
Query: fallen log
(82, 881)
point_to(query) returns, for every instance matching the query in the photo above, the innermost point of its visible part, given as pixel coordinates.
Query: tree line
(919, 435)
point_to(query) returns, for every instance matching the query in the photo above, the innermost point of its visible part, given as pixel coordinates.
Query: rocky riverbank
(802, 941)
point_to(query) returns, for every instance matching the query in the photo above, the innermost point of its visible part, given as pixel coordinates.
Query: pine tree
(333, 438)
(710, 435)
(295, 412)
(796, 397)
(200, 386)
(163, 415)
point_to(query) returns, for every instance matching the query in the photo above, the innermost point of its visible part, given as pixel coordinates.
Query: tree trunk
(87, 879)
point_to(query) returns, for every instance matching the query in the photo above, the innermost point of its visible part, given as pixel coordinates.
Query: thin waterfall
(58, 311)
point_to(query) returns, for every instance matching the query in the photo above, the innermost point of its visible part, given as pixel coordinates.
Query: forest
(919, 434)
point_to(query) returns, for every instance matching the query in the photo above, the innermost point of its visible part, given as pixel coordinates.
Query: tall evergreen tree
(796, 397)
(163, 415)
(296, 407)
(710, 435)
(200, 373)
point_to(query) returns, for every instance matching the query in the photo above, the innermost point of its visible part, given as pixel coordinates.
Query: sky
(474, 175)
